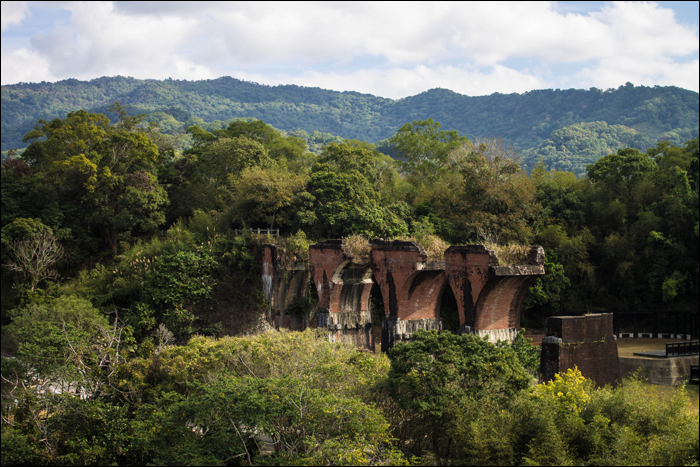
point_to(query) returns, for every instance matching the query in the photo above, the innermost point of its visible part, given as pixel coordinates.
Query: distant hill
(542, 123)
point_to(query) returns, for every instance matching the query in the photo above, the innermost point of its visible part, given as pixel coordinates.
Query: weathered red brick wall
(393, 263)
(500, 302)
(352, 284)
(343, 292)
(281, 288)
(467, 268)
(411, 287)
(324, 259)
(421, 295)
(586, 342)
(489, 297)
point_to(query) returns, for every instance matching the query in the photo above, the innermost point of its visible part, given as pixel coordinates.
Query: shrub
(359, 247)
(433, 245)
(510, 253)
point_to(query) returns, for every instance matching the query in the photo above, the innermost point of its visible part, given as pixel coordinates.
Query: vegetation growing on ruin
(358, 246)
(510, 253)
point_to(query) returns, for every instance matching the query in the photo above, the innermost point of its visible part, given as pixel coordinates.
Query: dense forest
(132, 310)
(566, 128)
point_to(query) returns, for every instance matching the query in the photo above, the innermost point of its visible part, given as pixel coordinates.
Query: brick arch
(421, 295)
(352, 287)
(344, 289)
(500, 302)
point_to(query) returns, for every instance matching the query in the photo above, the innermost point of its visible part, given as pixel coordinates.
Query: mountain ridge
(525, 120)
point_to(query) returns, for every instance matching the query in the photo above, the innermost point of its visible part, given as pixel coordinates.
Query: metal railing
(678, 349)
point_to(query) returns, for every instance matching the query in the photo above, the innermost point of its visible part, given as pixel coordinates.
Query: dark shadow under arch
(449, 312)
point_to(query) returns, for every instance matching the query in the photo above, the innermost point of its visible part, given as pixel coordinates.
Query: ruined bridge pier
(489, 296)
(281, 285)
(343, 289)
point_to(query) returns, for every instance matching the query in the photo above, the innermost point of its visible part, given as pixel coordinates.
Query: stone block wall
(586, 342)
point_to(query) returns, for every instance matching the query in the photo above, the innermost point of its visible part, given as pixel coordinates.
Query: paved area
(626, 347)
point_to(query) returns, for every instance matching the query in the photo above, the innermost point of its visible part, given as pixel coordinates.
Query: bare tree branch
(35, 257)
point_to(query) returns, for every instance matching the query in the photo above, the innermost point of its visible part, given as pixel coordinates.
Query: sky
(389, 49)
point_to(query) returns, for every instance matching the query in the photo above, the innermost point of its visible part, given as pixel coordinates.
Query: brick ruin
(583, 341)
(489, 296)
(281, 285)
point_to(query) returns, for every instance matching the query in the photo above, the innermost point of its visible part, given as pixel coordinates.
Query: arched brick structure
(281, 287)
(468, 268)
(343, 293)
(411, 289)
(489, 296)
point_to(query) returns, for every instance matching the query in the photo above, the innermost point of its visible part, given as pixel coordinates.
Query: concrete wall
(672, 371)
(586, 342)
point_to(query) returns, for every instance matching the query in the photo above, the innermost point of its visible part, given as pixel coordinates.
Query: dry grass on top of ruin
(291, 249)
(510, 254)
(359, 246)
(433, 245)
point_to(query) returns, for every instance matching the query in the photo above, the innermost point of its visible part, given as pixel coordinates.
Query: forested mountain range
(567, 128)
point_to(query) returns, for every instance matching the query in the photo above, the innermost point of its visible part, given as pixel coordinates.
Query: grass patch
(359, 246)
(433, 245)
(509, 254)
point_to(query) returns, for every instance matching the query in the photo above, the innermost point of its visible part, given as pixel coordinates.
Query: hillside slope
(526, 120)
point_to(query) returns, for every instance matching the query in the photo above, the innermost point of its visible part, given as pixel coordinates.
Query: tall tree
(424, 148)
(102, 176)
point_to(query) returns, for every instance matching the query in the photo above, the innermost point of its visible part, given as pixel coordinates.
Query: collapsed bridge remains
(489, 296)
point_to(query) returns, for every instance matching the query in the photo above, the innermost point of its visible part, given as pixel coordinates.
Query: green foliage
(434, 373)
(546, 296)
(623, 236)
(180, 278)
(266, 196)
(43, 333)
(495, 195)
(528, 354)
(321, 364)
(228, 418)
(346, 202)
(571, 390)
(90, 432)
(424, 148)
(525, 119)
(573, 147)
(293, 249)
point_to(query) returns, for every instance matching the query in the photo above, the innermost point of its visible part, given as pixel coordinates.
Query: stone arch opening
(449, 311)
(376, 305)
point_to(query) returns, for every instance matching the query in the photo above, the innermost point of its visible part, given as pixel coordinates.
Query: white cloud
(400, 82)
(412, 46)
(25, 65)
(101, 41)
(13, 13)
(611, 73)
